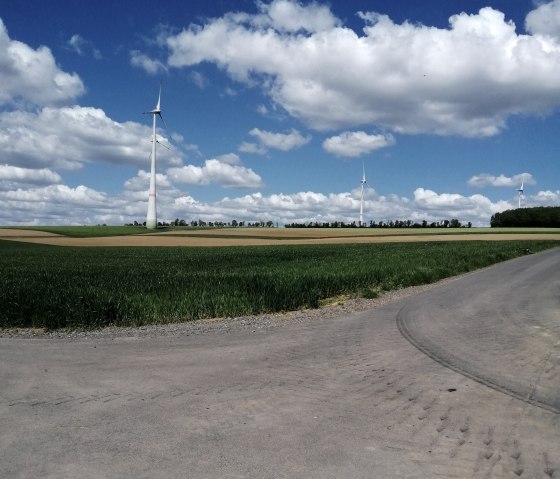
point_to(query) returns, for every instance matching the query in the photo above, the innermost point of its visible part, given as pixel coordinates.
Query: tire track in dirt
(509, 347)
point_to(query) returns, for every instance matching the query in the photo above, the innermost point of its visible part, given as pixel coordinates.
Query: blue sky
(272, 107)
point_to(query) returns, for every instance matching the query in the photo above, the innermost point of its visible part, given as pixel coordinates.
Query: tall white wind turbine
(520, 194)
(151, 218)
(363, 183)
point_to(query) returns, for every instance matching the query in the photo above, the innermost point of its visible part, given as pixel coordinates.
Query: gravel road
(456, 380)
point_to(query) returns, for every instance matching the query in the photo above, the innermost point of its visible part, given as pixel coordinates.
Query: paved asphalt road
(460, 381)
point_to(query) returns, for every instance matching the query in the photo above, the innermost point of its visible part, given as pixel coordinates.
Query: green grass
(64, 287)
(93, 231)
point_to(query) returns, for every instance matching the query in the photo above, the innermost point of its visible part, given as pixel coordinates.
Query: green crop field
(91, 231)
(69, 287)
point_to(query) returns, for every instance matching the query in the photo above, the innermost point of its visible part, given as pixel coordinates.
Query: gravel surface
(252, 322)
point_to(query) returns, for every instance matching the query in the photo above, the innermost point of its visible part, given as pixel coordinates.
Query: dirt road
(470, 391)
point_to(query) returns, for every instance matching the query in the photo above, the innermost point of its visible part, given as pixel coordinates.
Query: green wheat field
(84, 288)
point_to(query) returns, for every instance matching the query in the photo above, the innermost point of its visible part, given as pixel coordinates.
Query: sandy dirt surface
(8, 233)
(255, 238)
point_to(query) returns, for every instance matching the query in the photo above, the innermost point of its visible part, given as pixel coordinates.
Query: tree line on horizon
(209, 224)
(537, 217)
(453, 223)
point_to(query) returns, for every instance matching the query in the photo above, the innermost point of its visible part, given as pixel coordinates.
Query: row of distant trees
(540, 217)
(210, 224)
(453, 223)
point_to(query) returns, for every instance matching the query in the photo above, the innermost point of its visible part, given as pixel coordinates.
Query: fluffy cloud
(312, 206)
(229, 158)
(545, 19)
(278, 141)
(31, 77)
(60, 204)
(149, 65)
(450, 205)
(248, 147)
(58, 195)
(223, 171)
(141, 182)
(14, 176)
(485, 179)
(51, 205)
(466, 79)
(292, 16)
(545, 198)
(356, 143)
(68, 137)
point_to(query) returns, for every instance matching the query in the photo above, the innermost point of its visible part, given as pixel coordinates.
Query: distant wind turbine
(363, 184)
(151, 218)
(520, 193)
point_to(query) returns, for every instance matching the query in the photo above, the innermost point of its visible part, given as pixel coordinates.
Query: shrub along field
(68, 287)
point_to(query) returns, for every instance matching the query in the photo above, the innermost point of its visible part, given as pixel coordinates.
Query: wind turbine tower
(520, 194)
(151, 218)
(363, 185)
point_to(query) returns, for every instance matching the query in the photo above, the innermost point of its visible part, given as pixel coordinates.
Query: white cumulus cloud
(32, 77)
(467, 79)
(452, 205)
(293, 16)
(141, 182)
(143, 61)
(222, 172)
(278, 141)
(16, 176)
(545, 19)
(61, 204)
(68, 137)
(486, 179)
(546, 198)
(248, 147)
(356, 143)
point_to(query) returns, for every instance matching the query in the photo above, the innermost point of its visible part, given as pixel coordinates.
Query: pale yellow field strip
(277, 232)
(171, 240)
(8, 233)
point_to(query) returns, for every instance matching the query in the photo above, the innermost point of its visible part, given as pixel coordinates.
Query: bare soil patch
(9, 233)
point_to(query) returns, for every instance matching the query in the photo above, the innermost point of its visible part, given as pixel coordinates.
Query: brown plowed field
(258, 237)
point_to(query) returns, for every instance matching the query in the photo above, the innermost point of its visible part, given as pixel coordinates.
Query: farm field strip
(273, 236)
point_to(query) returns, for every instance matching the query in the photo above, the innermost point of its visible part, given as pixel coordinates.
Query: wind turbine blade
(162, 120)
(158, 106)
